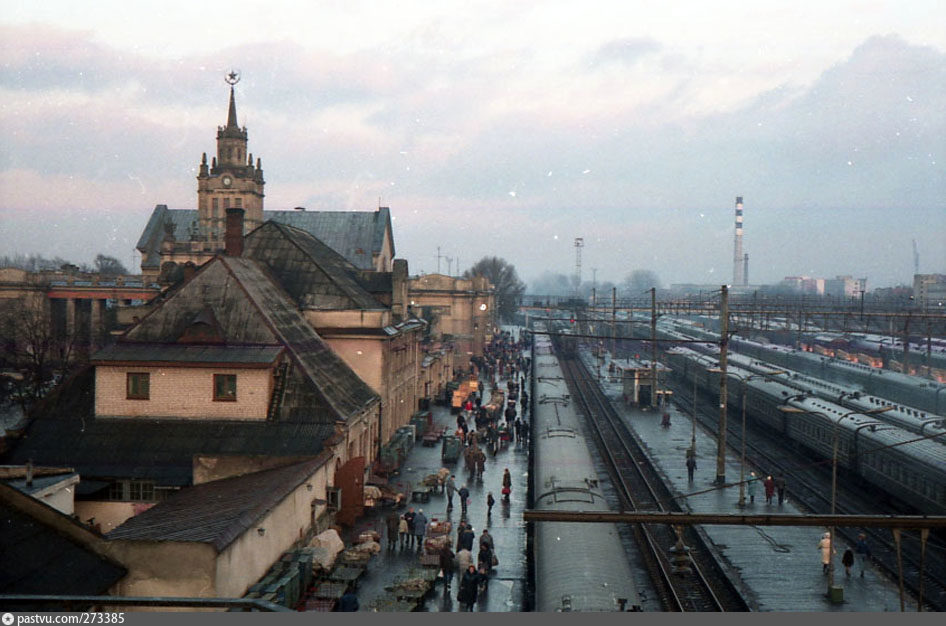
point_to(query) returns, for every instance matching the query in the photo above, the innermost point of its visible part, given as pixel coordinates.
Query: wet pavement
(507, 584)
(779, 567)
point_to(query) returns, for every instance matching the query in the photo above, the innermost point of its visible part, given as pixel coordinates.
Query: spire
(231, 116)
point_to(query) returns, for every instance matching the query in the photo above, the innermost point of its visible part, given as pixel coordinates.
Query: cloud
(496, 148)
(625, 51)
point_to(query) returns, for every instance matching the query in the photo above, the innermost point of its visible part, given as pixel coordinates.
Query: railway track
(809, 481)
(695, 582)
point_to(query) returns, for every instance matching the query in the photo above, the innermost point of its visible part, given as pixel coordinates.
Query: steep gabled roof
(255, 316)
(217, 512)
(252, 309)
(336, 382)
(315, 275)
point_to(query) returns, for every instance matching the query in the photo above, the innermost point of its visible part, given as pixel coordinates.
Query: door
(350, 479)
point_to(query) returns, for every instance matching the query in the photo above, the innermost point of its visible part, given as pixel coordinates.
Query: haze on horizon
(497, 128)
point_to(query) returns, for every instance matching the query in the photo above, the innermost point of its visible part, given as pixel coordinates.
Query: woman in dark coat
(769, 485)
(507, 484)
(469, 586)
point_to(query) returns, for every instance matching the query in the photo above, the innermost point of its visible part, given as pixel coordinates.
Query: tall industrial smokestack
(745, 270)
(738, 270)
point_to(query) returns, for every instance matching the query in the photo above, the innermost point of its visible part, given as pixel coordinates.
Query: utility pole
(723, 345)
(579, 244)
(614, 309)
(653, 344)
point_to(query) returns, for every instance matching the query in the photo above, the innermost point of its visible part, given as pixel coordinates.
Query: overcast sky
(498, 128)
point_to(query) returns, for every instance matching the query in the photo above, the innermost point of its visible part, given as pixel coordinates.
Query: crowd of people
(468, 557)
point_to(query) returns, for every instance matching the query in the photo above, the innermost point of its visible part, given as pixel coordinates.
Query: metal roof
(217, 512)
(315, 275)
(356, 235)
(39, 558)
(132, 352)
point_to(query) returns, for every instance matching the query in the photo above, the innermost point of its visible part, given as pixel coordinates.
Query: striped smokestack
(738, 269)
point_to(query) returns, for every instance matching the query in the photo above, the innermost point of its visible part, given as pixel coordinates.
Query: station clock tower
(230, 181)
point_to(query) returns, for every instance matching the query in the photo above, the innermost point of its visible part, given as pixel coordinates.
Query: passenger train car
(852, 397)
(907, 467)
(578, 566)
(920, 393)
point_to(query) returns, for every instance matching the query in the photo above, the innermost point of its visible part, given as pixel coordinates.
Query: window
(215, 203)
(137, 385)
(333, 496)
(226, 203)
(133, 490)
(238, 203)
(225, 387)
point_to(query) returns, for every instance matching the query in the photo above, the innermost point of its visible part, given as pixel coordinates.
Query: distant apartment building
(929, 290)
(803, 284)
(844, 286)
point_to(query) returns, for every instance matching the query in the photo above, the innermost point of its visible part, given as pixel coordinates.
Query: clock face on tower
(227, 181)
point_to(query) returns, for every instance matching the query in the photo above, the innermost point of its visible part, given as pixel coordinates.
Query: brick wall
(183, 392)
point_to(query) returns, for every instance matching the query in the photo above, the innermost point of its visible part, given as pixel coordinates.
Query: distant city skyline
(497, 128)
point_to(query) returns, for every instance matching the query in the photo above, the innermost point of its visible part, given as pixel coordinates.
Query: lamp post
(693, 433)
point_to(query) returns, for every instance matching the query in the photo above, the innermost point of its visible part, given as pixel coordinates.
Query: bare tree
(637, 282)
(33, 349)
(109, 266)
(505, 281)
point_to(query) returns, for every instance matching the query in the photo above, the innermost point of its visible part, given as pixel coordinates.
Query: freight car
(908, 468)
(578, 566)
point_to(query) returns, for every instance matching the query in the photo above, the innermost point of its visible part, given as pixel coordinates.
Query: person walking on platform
(469, 587)
(751, 486)
(393, 521)
(464, 494)
(404, 529)
(769, 486)
(409, 516)
(780, 487)
(507, 484)
(824, 548)
(447, 565)
(847, 560)
(420, 528)
(466, 538)
(691, 466)
(863, 552)
(490, 501)
(451, 489)
(464, 560)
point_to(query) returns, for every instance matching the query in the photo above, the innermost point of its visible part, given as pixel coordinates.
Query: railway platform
(778, 568)
(507, 584)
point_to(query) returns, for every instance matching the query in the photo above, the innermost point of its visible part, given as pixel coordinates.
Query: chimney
(234, 235)
(399, 279)
(738, 277)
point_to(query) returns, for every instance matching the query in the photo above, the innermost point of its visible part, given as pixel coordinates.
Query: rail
(683, 580)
